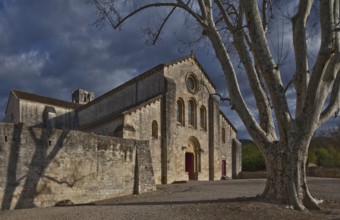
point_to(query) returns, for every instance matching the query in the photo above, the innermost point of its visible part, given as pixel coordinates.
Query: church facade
(172, 106)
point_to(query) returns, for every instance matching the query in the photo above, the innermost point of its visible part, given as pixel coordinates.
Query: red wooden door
(189, 165)
(224, 170)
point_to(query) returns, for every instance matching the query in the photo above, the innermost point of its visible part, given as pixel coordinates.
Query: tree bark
(286, 176)
(284, 140)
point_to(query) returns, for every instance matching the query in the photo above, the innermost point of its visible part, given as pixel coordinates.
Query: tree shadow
(40, 161)
(11, 179)
(44, 153)
(190, 202)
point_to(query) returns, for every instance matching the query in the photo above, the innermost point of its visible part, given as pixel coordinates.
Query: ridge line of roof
(129, 82)
(146, 74)
(225, 117)
(19, 94)
(192, 56)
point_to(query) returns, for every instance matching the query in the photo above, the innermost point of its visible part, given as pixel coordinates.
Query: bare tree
(317, 84)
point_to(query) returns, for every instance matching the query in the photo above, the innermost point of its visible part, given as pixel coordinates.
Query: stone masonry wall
(108, 128)
(37, 114)
(121, 99)
(12, 111)
(179, 135)
(141, 119)
(224, 149)
(39, 167)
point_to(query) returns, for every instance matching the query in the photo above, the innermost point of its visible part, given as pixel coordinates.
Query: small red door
(189, 165)
(224, 170)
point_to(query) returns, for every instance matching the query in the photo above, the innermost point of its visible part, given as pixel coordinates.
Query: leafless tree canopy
(247, 27)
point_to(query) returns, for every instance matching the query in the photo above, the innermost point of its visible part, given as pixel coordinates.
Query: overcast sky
(51, 48)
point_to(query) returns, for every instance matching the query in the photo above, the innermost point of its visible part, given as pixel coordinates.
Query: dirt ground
(228, 199)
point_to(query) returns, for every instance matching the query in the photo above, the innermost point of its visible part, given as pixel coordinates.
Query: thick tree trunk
(286, 180)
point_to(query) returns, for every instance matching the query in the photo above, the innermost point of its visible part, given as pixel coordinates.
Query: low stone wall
(40, 167)
(252, 175)
(330, 172)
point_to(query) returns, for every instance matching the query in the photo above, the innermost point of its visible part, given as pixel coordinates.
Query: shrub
(252, 159)
(324, 156)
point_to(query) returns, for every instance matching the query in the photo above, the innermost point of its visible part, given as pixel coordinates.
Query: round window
(191, 83)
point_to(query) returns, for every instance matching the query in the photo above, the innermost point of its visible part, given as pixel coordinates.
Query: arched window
(180, 111)
(192, 112)
(203, 117)
(154, 129)
(223, 135)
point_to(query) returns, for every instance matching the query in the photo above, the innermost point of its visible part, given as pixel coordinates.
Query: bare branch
(106, 14)
(300, 49)
(203, 9)
(334, 102)
(162, 25)
(288, 84)
(222, 99)
(337, 23)
(265, 15)
(120, 21)
(263, 105)
(237, 100)
(224, 15)
(325, 69)
(266, 64)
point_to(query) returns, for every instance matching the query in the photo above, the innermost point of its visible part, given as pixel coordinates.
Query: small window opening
(223, 135)
(154, 129)
(5, 138)
(125, 155)
(49, 143)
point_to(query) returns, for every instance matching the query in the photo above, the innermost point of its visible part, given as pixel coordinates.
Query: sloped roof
(192, 56)
(43, 99)
(229, 122)
(133, 80)
(146, 74)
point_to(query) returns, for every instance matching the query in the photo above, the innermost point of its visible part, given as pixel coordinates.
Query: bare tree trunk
(286, 147)
(286, 180)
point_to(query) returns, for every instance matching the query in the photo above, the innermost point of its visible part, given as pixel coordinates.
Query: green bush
(324, 149)
(252, 159)
(324, 156)
(312, 158)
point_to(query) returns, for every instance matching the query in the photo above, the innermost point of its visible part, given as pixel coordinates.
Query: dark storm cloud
(51, 48)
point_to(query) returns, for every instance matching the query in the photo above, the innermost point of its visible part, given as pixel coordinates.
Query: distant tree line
(324, 151)
(252, 159)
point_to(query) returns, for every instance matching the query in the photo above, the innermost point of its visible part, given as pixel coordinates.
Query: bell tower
(81, 96)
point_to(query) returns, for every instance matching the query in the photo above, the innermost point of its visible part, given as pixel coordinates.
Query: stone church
(172, 106)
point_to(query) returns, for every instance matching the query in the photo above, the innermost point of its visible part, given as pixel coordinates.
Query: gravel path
(194, 200)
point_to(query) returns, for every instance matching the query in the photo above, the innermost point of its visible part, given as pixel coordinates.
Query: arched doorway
(193, 158)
